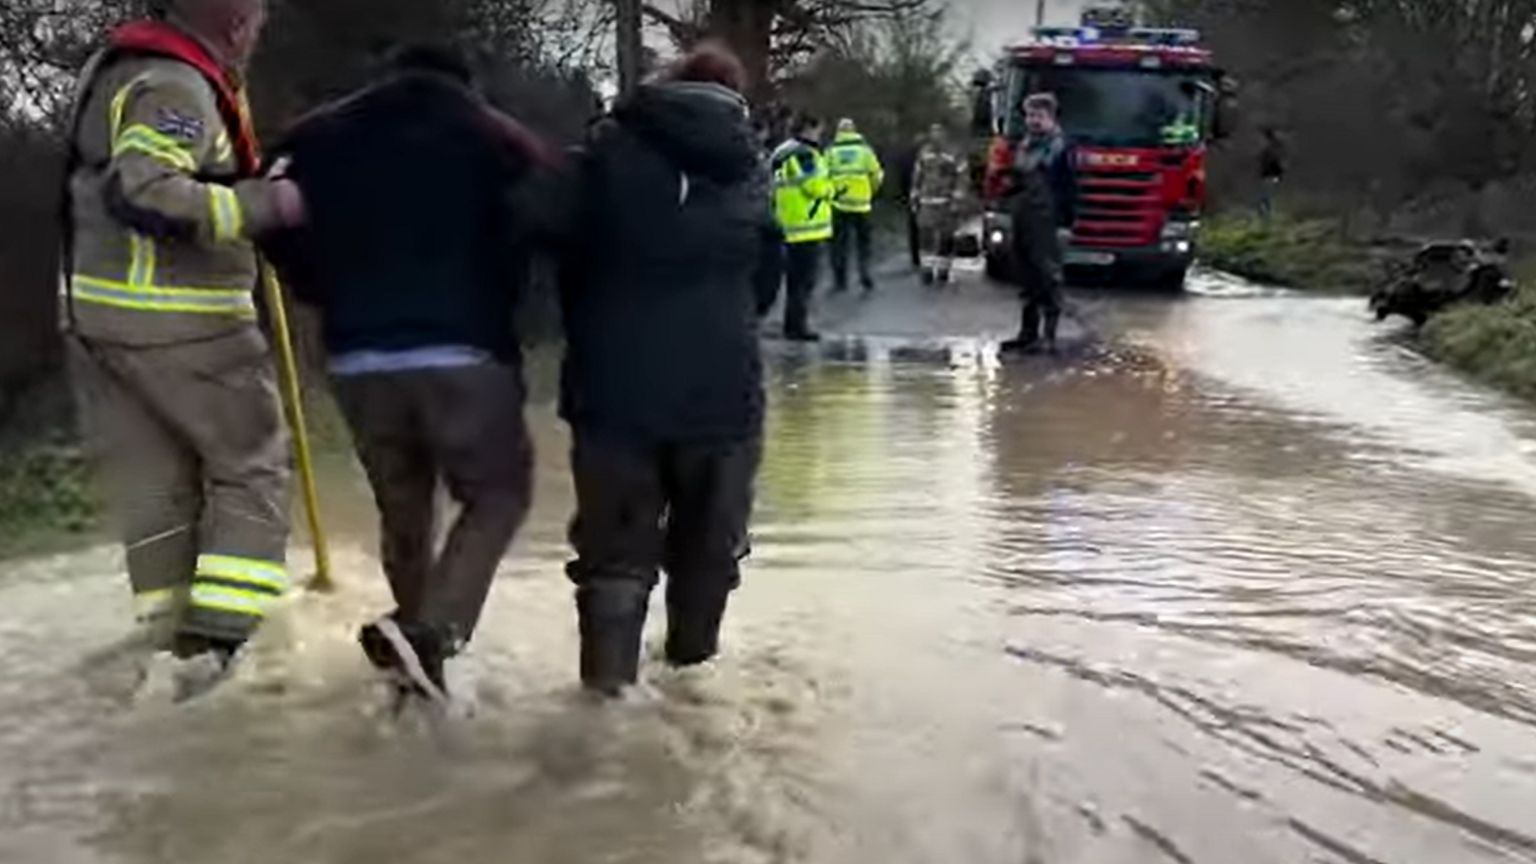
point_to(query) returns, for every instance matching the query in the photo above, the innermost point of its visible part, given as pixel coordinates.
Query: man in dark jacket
(1044, 199)
(413, 258)
(663, 379)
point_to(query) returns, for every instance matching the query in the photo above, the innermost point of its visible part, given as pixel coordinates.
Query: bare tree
(630, 42)
(1441, 89)
(771, 36)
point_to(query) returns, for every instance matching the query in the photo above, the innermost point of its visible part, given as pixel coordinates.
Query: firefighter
(938, 183)
(802, 201)
(175, 377)
(1043, 203)
(856, 178)
(417, 294)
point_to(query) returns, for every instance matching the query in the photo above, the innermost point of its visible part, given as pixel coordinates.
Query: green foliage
(1496, 344)
(1308, 254)
(46, 490)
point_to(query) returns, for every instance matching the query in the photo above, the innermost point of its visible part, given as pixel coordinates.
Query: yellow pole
(293, 406)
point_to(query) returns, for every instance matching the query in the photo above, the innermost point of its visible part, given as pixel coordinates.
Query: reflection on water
(1246, 584)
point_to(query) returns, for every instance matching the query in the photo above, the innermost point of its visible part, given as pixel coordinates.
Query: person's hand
(288, 202)
(279, 169)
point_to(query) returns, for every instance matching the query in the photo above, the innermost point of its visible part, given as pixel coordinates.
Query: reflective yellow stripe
(222, 148)
(817, 232)
(228, 220)
(157, 145)
(141, 262)
(179, 161)
(106, 292)
(249, 571)
(135, 258)
(152, 604)
(149, 260)
(232, 600)
(120, 103)
(154, 137)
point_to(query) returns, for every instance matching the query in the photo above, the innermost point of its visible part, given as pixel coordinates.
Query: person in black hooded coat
(662, 383)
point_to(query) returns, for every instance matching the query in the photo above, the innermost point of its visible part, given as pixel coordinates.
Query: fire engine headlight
(1175, 229)
(997, 237)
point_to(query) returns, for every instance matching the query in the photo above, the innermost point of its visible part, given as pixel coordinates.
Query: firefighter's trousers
(191, 440)
(937, 221)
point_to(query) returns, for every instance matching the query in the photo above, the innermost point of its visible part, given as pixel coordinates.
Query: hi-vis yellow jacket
(802, 193)
(856, 173)
(163, 221)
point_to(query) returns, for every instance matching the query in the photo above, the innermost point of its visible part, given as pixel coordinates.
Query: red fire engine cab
(1140, 107)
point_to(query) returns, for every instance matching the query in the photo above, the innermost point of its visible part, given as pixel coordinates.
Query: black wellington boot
(612, 623)
(1052, 324)
(693, 625)
(1028, 340)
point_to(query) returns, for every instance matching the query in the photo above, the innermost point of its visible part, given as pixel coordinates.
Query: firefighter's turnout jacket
(164, 211)
(175, 377)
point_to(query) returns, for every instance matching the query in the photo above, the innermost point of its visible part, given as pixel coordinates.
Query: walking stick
(293, 407)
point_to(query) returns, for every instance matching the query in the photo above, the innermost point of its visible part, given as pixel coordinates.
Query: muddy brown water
(1239, 579)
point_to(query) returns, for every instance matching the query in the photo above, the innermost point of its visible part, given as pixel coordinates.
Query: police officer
(938, 182)
(856, 178)
(1045, 191)
(802, 200)
(176, 380)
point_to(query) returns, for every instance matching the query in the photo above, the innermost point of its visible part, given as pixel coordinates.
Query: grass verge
(1305, 254)
(48, 494)
(1494, 344)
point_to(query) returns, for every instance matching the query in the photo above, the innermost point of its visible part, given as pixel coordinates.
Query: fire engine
(1140, 107)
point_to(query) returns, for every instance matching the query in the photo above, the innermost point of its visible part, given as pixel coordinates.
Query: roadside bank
(1307, 254)
(48, 494)
(1495, 345)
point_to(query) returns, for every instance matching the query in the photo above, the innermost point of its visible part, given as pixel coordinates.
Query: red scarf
(163, 40)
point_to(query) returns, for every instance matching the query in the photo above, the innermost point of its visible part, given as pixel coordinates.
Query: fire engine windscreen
(1117, 107)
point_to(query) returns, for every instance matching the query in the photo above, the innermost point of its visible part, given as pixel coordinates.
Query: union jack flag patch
(179, 125)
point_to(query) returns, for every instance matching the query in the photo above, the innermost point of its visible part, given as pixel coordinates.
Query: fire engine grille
(1119, 208)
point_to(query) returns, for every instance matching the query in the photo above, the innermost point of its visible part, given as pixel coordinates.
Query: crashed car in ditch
(1444, 273)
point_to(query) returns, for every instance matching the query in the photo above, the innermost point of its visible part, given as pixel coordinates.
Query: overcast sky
(993, 23)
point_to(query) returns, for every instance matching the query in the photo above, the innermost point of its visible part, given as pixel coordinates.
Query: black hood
(703, 128)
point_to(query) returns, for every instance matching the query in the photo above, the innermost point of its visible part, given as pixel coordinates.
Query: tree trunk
(747, 26)
(629, 43)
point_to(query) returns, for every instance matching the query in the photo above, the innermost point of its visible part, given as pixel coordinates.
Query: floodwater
(1238, 579)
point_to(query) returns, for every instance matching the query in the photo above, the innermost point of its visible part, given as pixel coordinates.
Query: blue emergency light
(1146, 36)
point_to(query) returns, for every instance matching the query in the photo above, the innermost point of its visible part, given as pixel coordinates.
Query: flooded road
(1237, 579)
